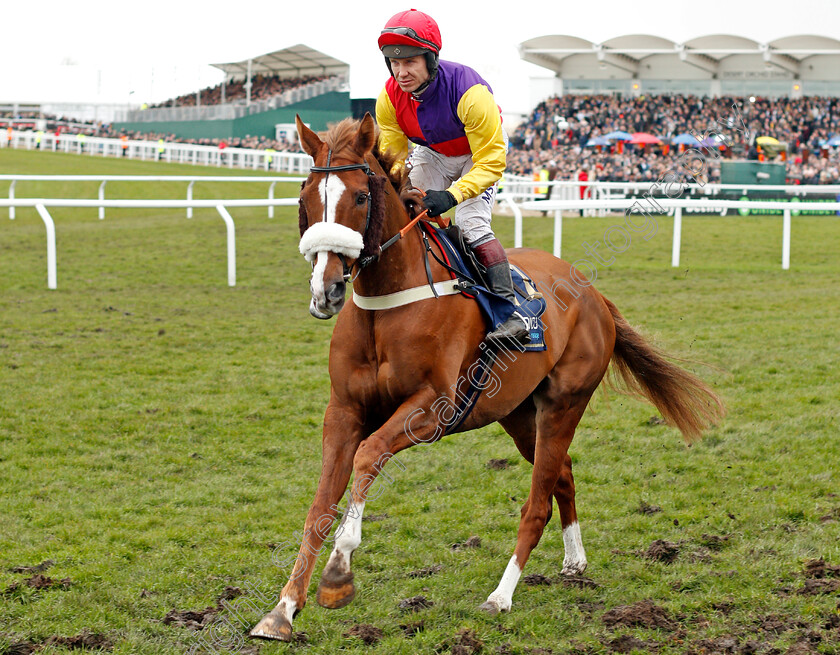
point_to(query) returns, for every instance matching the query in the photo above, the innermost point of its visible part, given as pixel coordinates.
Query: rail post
(271, 197)
(189, 198)
(231, 244)
(102, 198)
(51, 265)
(786, 241)
(675, 247)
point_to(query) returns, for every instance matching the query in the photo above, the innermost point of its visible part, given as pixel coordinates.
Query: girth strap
(407, 296)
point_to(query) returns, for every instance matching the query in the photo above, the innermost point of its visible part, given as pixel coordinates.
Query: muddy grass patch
(498, 464)
(472, 542)
(647, 508)
(37, 582)
(714, 542)
(464, 642)
(579, 581)
(200, 619)
(818, 587)
(426, 572)
(415, 604)
(369, 634)
(85, 640)
(643, 614)
(662, 551)
(411, 630)
(629, 643)
(191, 619)
(819, 568)
(37, 568)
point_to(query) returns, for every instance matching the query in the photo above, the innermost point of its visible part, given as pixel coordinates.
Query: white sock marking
(350, 537)
(502, 597)
(574, 561)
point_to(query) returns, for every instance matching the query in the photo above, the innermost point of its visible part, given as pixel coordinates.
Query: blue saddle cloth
(497, 310)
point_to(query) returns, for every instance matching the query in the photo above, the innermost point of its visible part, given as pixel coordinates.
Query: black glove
(437, 202)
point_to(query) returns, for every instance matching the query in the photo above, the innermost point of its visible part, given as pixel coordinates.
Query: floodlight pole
(248, 85)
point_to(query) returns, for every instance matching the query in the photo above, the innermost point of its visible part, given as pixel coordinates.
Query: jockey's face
(410, 72)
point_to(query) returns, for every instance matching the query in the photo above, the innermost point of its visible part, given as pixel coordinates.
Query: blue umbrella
(624, 136)
(685, 139)
(599, 141)
(833, 141)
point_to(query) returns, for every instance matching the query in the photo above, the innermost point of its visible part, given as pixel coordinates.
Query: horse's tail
(684, 400)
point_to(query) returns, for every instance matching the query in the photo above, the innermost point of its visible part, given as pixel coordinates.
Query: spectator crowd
(555, 135)
(262, 88)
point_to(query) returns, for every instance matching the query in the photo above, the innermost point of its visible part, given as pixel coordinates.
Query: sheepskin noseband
(330, 237)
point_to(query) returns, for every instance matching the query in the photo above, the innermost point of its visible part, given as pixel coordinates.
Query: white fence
(177, 153)
(41, 204)
(518, 194)
(104, 179)
(625, 206)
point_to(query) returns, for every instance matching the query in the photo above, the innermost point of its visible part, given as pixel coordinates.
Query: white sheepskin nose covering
(330, 237)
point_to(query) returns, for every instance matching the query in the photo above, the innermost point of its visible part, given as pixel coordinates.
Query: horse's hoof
(273, 626)
(493, 606)
(573, 569)
(336, 590)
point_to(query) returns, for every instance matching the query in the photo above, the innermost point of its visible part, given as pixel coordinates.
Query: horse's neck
(400, 266)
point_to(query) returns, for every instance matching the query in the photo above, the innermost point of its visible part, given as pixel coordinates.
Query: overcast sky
(121, 52)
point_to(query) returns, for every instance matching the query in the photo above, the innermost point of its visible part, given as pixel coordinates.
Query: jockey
(447, 110)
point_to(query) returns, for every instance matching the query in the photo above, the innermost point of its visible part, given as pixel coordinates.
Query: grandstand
(712, 65)
(602, 94)
(256, 95)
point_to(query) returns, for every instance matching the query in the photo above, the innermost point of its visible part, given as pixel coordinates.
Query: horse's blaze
(273, 626)
(336, 589)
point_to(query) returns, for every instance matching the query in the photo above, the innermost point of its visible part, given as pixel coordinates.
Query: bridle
(366, 260)
(363, 166)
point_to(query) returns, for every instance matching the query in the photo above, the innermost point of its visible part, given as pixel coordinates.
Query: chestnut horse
(395, 373)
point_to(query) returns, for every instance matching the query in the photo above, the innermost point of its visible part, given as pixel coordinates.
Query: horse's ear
(309, 141)
(366, 136)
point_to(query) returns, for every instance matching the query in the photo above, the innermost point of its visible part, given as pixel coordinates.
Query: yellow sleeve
(391, 136)
(483, 125)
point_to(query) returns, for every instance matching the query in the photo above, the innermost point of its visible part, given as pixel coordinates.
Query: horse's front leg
(410, 424)
(343, 431)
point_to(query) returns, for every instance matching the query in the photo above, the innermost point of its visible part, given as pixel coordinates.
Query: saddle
(463, 266)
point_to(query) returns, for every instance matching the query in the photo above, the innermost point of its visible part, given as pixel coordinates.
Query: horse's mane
(341, 137)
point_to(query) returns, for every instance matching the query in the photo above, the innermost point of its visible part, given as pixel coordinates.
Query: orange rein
(442, 221)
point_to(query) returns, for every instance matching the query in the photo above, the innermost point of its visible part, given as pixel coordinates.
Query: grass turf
(159, 437)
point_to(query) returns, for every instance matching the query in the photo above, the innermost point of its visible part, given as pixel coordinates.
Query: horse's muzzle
(332, 302)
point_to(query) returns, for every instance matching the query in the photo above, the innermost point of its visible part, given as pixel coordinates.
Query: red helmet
(412, 28)
(409, 34)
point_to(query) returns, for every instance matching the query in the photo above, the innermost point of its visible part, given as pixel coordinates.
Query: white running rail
(41, 204)
(625, 206)
(104, 179)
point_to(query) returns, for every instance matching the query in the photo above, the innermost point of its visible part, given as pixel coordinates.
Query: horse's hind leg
(521, 425)
(574, 559)
(555, 421)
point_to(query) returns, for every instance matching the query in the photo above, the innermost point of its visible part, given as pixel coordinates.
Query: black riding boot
(498, 277)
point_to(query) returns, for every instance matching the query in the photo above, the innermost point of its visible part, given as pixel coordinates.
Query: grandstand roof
(716, 56)
(296, 61)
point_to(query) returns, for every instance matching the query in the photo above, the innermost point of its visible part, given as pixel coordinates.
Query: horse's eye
(361, 199)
